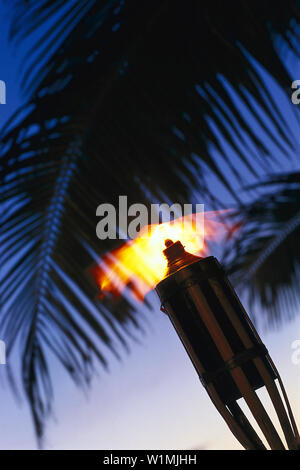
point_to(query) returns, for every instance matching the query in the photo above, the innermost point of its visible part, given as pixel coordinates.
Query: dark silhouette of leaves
(123, 97)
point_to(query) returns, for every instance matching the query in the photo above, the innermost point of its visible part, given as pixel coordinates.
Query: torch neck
(178, 258)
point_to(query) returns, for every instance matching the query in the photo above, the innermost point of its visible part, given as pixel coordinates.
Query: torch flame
(139, 264)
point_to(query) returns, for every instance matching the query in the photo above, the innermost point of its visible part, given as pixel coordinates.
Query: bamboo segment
(235, 427)
(242, 419)
(238, 375)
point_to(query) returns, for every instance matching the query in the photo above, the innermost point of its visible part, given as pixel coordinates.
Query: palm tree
(123, 97)
(266, 249)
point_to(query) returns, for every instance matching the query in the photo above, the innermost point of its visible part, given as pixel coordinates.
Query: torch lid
(177, 256)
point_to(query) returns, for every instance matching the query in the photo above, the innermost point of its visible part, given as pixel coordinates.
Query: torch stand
(224, 346)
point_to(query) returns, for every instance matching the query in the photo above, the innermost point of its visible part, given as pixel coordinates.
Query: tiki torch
(224, 347)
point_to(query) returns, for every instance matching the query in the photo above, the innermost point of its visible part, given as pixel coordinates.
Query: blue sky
(153, 398)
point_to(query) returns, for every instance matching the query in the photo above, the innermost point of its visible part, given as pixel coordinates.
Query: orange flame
(139, 264)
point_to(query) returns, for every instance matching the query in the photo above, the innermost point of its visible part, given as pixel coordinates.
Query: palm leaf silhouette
(132, 98)
(266, 251)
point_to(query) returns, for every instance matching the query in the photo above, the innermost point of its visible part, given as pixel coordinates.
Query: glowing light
(140, 264)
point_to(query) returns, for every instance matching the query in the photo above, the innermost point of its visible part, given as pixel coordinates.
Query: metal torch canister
(224, 347)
